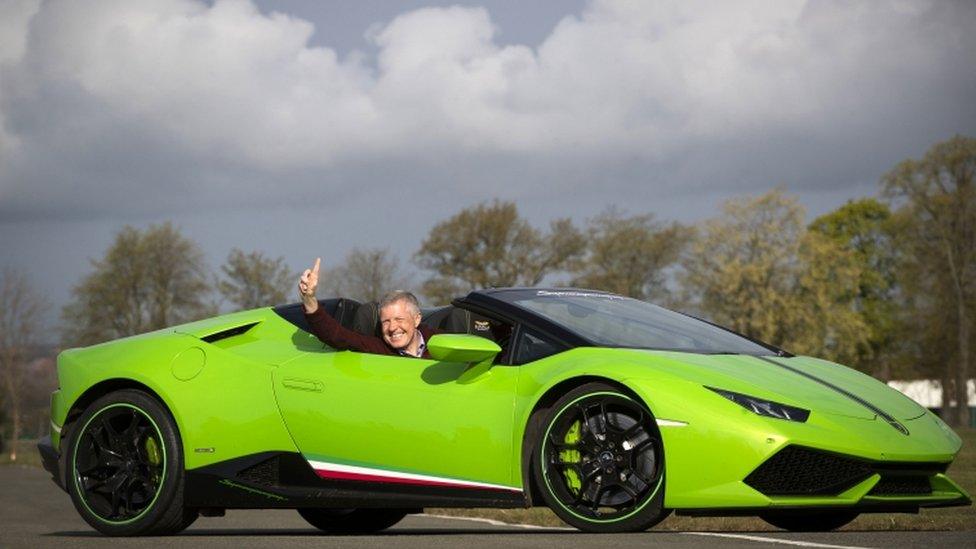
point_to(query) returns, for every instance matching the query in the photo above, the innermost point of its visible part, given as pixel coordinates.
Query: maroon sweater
(338, 337)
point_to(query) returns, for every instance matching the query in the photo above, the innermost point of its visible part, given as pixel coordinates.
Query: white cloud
(105, 95)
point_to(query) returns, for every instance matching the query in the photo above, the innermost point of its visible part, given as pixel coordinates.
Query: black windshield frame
(512, 300)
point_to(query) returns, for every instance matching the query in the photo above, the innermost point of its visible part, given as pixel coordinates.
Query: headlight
(766, 408)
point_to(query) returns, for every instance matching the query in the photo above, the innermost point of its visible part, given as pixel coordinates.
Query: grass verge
(27, 454)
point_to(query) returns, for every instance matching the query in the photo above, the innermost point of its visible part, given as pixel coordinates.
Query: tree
(147, 280)
(20, 317)
(757, 270)
(366, 275)
(253, 280)
(938, 194)
(629, 255)
(490, 245)
(866, 229)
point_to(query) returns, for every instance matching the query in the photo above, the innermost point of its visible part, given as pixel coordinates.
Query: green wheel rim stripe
(74, 457)
(545, 471)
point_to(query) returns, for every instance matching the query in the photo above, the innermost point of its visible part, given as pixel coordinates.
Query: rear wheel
(814, 521)
(352, 521)
(125, 467)
(599, 461)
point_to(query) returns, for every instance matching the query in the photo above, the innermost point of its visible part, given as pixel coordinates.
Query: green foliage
(630, 255)
(490, 245)
(366, 275)
(865, 228)
(937, 199)
(147, 280)
(757, 271)
(252, 280)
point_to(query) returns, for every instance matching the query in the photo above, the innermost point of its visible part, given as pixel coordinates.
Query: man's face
(398, 324)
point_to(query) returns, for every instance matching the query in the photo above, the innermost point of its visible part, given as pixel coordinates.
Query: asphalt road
(36, 513)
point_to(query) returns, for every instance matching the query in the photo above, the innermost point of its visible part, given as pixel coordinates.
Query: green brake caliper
(154, 455)
(571, 456)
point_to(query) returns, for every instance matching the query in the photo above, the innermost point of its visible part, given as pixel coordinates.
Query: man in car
(399, 322)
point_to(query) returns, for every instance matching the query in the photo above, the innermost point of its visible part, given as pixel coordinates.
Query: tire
(125, 467)
(352, 521)
(811, 521)
(599, 461)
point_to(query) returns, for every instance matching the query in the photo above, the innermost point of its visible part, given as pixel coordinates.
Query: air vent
(891, 485)
(224, 334)
(262, 474)
(798, 471)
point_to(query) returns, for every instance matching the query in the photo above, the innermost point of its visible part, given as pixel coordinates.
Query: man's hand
(307, 285)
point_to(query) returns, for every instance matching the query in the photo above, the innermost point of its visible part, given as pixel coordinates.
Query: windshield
(614, 321)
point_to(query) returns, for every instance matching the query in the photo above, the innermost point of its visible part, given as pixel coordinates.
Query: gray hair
(400, 295)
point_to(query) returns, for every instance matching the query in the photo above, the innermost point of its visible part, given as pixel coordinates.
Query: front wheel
(125, 467)
(352, 521)
(600, 461)
(811, 521)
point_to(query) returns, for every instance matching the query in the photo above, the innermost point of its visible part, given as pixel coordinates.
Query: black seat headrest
(345, 312)
(366, 319)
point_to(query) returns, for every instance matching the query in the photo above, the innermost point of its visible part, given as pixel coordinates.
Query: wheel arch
(103, 388)
(534, 423)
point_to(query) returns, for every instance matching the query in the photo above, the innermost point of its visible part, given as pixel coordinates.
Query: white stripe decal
(56, 427)
(671, 423)
(396, 475)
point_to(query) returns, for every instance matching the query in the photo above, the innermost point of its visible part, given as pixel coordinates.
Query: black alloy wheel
(600, 461)
(352, 521)
(125, 467)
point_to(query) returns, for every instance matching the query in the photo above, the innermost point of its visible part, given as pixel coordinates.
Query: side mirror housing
(462, 348)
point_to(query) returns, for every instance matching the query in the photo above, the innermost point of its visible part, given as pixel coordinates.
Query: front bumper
(52, 461)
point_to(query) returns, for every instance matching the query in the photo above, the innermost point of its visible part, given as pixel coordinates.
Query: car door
(359, 416)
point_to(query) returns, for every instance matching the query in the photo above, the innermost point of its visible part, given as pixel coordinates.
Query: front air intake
(799, 471)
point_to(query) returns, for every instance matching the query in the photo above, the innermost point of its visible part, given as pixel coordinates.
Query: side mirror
(462, 348)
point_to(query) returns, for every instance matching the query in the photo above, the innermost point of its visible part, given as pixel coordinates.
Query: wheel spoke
(635, 428)
(585, 483)
(626, 487)
(558, 444)
(595, 507)
(605, 417)
(130, 431)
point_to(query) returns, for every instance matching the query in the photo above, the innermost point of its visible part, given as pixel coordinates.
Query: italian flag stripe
(340, 471)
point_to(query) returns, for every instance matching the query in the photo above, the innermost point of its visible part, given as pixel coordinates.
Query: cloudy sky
(304, 128)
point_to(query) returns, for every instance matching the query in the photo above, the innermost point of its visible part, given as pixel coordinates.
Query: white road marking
(774, 540)
(498, 522)
(493, 522)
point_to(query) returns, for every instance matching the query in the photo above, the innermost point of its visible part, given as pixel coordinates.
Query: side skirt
(286, 480)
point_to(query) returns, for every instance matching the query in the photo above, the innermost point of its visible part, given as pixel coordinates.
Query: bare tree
(630, 255)
(490, 245)
(366, 275)
(253, 280)
(20, 317)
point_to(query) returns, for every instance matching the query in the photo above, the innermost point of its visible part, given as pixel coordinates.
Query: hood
(810, 383)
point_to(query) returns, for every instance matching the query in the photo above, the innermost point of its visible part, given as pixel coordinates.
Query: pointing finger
(315, 269)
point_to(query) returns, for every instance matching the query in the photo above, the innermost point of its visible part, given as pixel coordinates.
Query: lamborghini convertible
(610, 411)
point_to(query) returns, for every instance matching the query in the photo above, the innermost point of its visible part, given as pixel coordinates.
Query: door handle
(302, 384)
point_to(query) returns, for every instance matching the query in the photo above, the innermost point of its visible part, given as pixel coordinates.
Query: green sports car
(610, 411)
